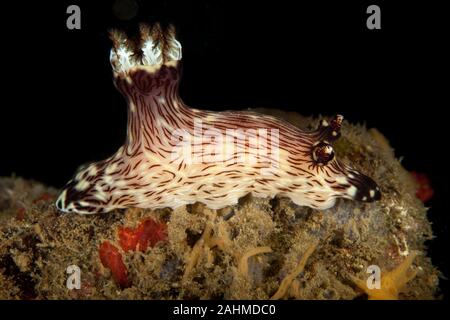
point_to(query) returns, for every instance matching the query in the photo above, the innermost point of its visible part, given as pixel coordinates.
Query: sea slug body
(176, 155)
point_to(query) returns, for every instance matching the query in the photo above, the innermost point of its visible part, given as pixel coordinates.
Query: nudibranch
(175, 155)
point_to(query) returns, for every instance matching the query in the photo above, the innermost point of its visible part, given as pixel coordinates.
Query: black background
(60, 108)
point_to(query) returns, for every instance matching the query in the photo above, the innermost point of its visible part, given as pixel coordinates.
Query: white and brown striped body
(176, 155)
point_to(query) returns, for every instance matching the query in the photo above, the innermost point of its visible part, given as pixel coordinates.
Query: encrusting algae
(257, 249)
(287, 281)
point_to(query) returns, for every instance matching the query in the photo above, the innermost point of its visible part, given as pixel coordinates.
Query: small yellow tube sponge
(287, 281)
(243, 262)
(392, 282)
